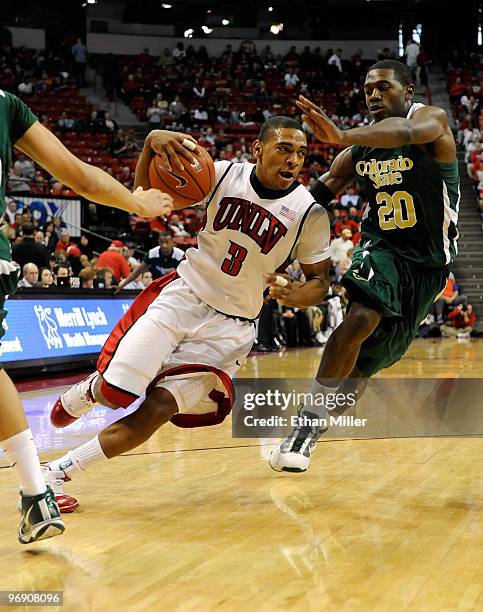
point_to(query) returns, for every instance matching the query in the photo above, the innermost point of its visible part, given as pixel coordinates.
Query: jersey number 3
(238, 255)
(396, 211)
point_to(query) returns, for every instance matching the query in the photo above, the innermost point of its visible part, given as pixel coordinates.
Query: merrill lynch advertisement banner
(39, 329)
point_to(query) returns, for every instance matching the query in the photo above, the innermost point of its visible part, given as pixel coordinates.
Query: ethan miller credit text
(304, 421)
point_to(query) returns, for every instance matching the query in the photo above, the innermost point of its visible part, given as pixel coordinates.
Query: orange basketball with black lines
(188, 186)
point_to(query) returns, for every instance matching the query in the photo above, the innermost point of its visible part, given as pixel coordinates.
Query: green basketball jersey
(413, 203)
(15, 119)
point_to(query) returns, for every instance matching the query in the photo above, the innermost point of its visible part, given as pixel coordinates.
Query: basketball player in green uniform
(405, 162)
(40, 517)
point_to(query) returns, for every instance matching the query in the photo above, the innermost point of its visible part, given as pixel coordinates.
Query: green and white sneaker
(293, 453)
(40, 517)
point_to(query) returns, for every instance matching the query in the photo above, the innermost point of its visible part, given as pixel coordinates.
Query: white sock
(320, 394)
(79, 459)
(21, 452)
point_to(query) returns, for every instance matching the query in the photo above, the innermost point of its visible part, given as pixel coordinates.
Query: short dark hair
(28, 229)
(277, 123)
(401, 71)
(61, 265)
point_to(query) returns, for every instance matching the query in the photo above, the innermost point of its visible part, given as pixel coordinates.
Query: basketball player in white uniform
(188, 332)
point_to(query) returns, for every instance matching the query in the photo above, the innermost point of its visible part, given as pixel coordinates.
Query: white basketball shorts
(166, 328)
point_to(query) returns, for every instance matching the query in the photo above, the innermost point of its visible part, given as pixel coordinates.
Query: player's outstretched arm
(88, 181)
(427, 125)
(302, 295)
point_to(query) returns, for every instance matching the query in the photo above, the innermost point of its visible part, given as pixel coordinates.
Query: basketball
(186, 187)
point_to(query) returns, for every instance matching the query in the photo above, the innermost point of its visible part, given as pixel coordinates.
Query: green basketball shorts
(403, 292)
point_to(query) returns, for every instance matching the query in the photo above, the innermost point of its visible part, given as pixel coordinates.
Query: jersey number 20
(396, 210)
(238, 255)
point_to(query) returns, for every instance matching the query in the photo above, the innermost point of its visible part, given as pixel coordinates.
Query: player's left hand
(169, 145)
(276, 291)
(152, 203)
(323, 127)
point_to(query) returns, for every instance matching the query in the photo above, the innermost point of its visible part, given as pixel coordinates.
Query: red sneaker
(59, 417)
(55, 479)
(73, 403)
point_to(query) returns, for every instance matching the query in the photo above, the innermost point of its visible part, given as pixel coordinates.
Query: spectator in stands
(178, 52)
(39, 237)
(25, 87)
(166, 59)
(154, 114)
(64, 123)
(411, 52)
(73, 259)
(118, 146)
(10, 211)
(16, 182)
(177, 108)
(339, 249)
(131, 144)
(146, 278)
(30, 274)
(79, 64)
(144, 58)
(62, 271)
(176, 226)
(159, 260)
(335, 60)
(424, 61)
(85, 261)
(112, 258)
(158, 225)
(46, 278)
(84, 246)
(135, 285)
(462, 321)
(126, 177)
(199, 90)
(269, 328)
(104, 278)
(17, 225)
(128, 253)
(27, 217)
(200, 115)
(449, 297)
(351, 198)
(28, 250)
(64, 241)
(291, 79)
(40, 184)
(87, 277)
(345, 222)
(130, 88)
(50, 236)
(25, 166)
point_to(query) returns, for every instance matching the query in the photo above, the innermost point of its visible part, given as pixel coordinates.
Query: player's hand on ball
(280, 287)
(152, 202)
(323, 127)
(169, 145)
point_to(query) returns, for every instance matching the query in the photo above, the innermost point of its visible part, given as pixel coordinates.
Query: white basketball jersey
(249, 231)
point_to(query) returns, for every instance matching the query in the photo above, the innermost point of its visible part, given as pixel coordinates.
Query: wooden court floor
(195, 520)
